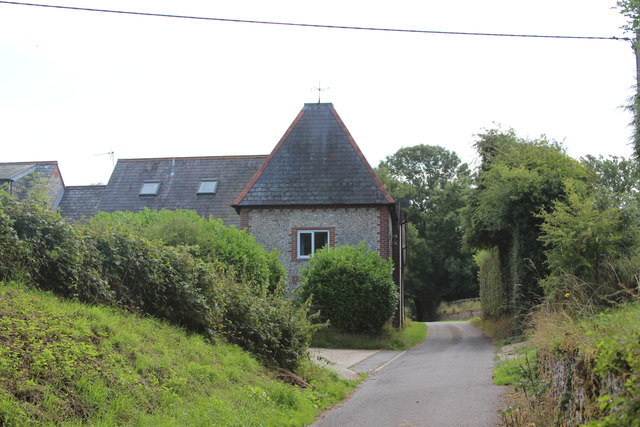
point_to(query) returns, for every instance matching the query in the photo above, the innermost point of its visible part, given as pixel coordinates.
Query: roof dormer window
(150, 188)
(208, 186)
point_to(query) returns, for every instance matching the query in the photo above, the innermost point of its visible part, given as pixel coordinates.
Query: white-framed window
(309, 241)
(150, 188)
(208, 186)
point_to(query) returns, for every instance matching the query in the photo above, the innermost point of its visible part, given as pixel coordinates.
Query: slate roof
(316, 162)
(81, 201)
(9, 171)
(179, 183)
(20, 177)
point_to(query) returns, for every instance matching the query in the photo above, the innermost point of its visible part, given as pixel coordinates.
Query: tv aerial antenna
(111, 155)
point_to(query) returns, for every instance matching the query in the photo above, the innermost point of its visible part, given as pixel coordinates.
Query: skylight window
(209, 186)
(150, 188)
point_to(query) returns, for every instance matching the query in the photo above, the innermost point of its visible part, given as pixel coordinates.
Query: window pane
(150, 188)
(321, 240)
(304, 244)
(209, 187)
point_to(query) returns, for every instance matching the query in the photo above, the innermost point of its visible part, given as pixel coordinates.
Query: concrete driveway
(349, 363)
(444, 381)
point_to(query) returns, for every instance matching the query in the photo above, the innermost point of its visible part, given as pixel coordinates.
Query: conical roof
(316, 162)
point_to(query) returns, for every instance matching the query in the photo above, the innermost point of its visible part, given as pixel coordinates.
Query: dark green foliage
(353, 285)
(39, 244)
(11, 248)
(274, 328)
(236, 251)
(517, 180)
(164, 281)
(438, 185)
(593, 234)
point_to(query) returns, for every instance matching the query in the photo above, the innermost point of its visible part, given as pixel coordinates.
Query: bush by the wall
(353, 285)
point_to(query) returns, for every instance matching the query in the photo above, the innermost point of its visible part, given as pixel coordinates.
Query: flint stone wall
(277, 228)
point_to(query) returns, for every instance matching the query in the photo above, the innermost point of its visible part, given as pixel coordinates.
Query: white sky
(75, 84)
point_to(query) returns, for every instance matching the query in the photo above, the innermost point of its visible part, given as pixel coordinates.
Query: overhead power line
(335, 27)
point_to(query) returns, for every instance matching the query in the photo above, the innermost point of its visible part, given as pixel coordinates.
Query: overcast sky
(74, 85)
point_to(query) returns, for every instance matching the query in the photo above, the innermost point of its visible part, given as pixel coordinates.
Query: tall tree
(437, 184)
(631, 10)
(518, 178)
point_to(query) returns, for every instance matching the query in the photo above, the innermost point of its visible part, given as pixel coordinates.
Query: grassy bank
(582, 370)
(387, 339)
(64, 362)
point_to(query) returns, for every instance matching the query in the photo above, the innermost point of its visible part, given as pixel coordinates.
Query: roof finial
(320, 89)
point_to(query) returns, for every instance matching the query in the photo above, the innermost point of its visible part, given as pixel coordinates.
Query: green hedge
(236, 251)
(113, 265)
(353, 285)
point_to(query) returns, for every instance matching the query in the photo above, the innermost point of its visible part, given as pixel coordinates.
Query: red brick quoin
(383, 241)
(245, 219)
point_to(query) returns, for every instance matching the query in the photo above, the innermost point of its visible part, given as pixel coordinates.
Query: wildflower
(567, 295)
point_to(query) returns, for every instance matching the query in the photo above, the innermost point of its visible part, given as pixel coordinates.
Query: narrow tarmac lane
(444, 381)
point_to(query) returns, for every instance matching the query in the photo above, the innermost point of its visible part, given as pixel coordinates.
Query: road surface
(444, 381)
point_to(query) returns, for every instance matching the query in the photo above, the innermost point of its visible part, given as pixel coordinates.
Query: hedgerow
(236, 251)
(276, 328)
(115, 265)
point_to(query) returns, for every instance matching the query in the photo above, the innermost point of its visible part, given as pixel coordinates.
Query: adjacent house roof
(21, 176)
(81, 201)
(179, 184)
(316, 162)
(11, 171)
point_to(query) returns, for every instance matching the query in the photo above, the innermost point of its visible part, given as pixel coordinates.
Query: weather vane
(320, 89)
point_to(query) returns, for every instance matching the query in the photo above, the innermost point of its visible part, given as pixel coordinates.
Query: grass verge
(513, 365)
(387, 339)
(577, 370)
(68, 363)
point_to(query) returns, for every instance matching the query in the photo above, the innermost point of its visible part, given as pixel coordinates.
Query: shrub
(275, 329)
(236, 251)
(353, 285)
(49, 251)
(11, 248)
(164, 281)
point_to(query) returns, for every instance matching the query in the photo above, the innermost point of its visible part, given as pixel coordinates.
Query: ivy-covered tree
(517, 179)
(437, 184)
